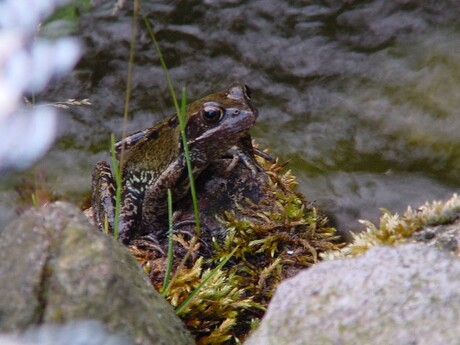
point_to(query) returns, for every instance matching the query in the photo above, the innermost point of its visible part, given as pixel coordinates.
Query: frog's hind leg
(130, 212)
(102, 198)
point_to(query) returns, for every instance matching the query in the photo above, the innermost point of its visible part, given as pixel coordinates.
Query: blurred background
(361, 97)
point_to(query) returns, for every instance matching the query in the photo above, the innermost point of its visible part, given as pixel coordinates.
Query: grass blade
(182, 123)
(162, 62)
(169, 262)
(181, 113)
(117, 173)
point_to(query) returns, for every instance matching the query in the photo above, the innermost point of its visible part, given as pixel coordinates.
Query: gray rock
(444, 237)
(55, 267)
(391, 295)
(71, 333)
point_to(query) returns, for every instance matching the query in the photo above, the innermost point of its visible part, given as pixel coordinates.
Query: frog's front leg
(248, 160)
(244, 152)
(103, 197)
(155, 206)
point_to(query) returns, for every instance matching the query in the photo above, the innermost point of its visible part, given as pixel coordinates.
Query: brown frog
(153, 161)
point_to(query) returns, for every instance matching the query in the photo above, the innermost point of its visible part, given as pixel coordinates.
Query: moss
(274, 239)
(396, 228)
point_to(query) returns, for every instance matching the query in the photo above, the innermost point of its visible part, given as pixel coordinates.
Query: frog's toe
(249, 162)
(264, 155)
(149, 242)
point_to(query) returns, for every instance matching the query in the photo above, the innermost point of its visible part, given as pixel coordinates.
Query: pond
(361, 97)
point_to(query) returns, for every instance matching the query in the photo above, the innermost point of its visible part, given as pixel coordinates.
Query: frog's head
(218, 121)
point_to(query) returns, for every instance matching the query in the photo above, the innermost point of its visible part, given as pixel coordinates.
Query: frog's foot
(239, 155)
(185, 223)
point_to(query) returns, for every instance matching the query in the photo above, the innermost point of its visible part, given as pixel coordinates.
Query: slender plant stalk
(181, 113)
(35, 202)
(169, 262)
(129, 77)
(204, 281)
(182, 123)
(195, 238)
(162, 62)
(117, 172)
(118, 165)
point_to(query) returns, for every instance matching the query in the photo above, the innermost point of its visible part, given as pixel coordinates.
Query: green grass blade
(169, 262)
(129, 76)
(118, 164)
(181, 113)
(117, 173)
(182, 123)
(162, 62)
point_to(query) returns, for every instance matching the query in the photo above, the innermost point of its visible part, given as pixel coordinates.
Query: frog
(153, 161)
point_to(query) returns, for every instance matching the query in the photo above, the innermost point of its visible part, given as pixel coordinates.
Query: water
(361, 97)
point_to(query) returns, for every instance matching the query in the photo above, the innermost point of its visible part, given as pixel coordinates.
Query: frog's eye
(212, 113)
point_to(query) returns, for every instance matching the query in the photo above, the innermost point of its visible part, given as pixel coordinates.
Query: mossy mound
(264, 243)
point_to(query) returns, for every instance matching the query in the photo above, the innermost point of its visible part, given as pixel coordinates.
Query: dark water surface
(362, 97)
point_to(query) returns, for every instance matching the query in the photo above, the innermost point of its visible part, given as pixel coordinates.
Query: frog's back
(156, 149)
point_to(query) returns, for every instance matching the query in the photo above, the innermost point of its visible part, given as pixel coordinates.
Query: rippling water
(361, 97)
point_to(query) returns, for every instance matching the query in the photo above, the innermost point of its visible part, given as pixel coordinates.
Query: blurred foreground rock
(409, 294)
(55, 268)
(70, 333)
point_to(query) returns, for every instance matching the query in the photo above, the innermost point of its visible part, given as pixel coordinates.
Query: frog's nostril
(236, 112)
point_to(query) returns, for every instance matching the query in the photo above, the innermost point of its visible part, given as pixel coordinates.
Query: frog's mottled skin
(153, 161)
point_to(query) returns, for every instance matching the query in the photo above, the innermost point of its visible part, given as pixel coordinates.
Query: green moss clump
(274, 239)
(397, 228)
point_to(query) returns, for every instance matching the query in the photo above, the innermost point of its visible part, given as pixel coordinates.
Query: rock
(445, 237)
(55, 267)
(408, 294)
(71, 333)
